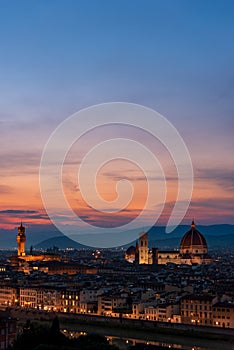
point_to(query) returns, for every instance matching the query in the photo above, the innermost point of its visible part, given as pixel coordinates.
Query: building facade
(223, 314)
(197, 309)
(8, 330)
(193, 250)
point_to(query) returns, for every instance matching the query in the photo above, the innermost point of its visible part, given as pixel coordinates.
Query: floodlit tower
(143, 249)
(21, 239)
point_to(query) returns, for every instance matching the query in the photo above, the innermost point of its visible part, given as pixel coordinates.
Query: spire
(193, 224)
(21, 229)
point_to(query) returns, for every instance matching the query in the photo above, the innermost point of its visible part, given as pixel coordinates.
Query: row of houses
(207, 310)
(50, 299)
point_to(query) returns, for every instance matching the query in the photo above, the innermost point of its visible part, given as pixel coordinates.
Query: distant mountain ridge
(47, 236)
(61, 242)
(220, 236)
(214, 242)
(210, 230)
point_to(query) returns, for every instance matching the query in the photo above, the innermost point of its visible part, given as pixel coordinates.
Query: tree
(55, 328)
(37, 337)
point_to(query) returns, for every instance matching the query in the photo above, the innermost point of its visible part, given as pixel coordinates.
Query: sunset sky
(57, 57)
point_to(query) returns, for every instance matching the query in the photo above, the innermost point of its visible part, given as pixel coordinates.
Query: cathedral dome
(130, 254)
(193, 242)
(131, 250)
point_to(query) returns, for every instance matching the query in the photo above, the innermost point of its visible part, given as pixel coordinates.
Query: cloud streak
(18, 211)
(4, 189)
(114, 176)
(222, 177)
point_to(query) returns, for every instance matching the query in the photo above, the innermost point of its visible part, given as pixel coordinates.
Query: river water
(123, 338)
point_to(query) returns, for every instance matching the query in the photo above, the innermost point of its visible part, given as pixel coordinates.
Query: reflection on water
(168, 342)
(124, 343)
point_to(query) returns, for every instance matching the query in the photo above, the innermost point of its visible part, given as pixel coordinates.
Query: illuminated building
(21, 239)
(193, 250)
(223, 314)
(143, 249)
(132, 254)
(8, 296)
(197, 310)
(21, 259)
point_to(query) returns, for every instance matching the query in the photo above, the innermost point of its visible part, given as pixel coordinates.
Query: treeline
(38, 337)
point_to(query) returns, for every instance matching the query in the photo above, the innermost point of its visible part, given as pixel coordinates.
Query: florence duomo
(193, 250)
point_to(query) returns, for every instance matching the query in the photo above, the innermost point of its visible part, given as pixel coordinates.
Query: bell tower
(143, 249)
(21, 239)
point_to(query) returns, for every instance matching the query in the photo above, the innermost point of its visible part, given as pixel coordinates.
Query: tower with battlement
(21, 239)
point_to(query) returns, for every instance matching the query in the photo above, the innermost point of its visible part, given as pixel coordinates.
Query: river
(123, 338)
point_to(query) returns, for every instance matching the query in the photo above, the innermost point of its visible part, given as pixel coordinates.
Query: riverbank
(129, 327)
(154, 330)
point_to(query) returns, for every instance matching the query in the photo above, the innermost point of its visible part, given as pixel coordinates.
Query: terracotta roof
(131, 250)
(193, 238)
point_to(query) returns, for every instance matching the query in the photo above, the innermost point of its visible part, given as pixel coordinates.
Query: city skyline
(60, 58)
(116, 181)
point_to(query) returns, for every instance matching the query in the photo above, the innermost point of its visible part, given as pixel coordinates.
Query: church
(193, 250)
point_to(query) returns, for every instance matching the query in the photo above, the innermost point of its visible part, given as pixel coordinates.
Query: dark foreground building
(8, 329)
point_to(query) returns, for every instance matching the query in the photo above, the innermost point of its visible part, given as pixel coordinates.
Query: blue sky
(174, 56)
(146, 51)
